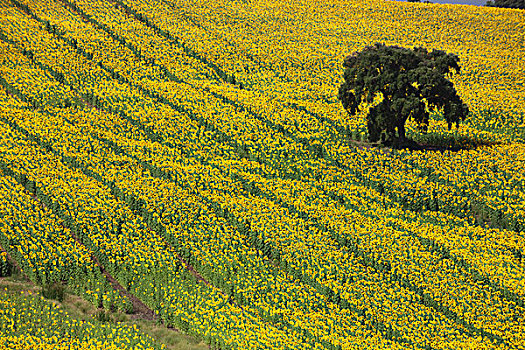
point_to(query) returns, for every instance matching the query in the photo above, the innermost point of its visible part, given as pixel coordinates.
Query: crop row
(415, 192)
(28, 321)
(77, 142)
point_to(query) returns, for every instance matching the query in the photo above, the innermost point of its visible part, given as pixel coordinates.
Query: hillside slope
(196, 152)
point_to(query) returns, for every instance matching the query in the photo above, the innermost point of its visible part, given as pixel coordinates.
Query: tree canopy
(400, 83)
(512, 4)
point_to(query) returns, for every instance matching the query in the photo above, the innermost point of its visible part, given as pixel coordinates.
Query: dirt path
(194, 272)
(140, 310)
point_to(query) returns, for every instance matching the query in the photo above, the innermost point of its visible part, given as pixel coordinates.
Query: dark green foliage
(409, 83)
(6, 268)
(102, 316)
(55, 291)
(511, 4)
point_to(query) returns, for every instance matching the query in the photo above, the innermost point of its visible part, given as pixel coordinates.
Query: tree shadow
(441, 143)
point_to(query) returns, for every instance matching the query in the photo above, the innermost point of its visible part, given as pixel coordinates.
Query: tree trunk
(401, 131)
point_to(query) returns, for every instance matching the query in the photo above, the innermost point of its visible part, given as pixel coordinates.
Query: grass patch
(54, 291)
(79, 308)
(172, 339)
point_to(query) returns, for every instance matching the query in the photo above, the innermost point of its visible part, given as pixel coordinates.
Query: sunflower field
(196, 153)
(30, 322)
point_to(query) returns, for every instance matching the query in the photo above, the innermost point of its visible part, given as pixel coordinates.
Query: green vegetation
(23, 295)
(400, 84)
(188, 165)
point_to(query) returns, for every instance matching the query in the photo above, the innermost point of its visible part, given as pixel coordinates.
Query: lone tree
(408, 83)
